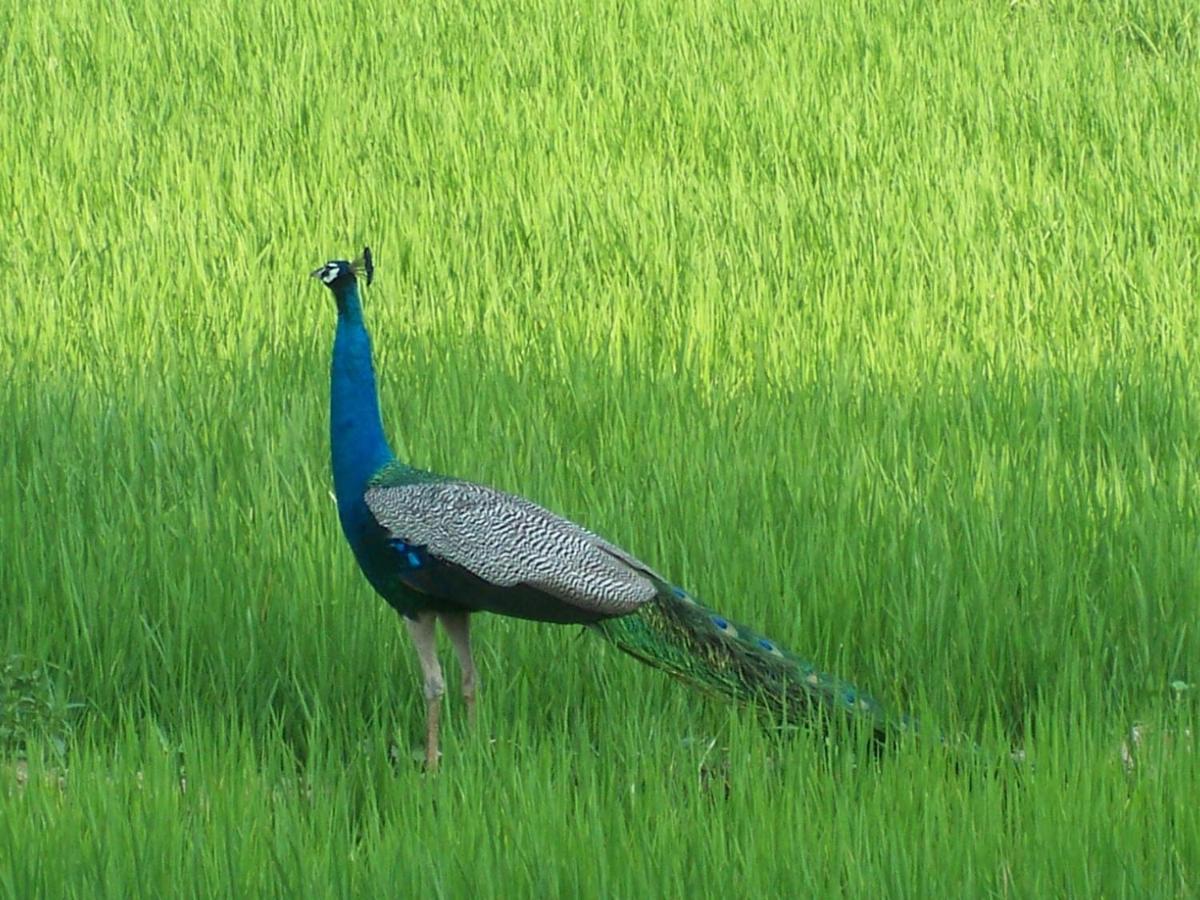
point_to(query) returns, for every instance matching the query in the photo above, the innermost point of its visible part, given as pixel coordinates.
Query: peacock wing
(510, 542)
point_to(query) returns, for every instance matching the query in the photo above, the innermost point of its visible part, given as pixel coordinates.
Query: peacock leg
(424, 637)
(458, 627)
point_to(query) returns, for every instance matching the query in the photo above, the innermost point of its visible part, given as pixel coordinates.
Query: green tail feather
(677, 634)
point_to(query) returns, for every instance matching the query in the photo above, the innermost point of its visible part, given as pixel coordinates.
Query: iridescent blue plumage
(438, 549)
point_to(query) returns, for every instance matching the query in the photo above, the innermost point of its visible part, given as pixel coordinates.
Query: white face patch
(330, 273)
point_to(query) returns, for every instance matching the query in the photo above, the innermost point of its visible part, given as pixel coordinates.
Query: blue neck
(358, 445)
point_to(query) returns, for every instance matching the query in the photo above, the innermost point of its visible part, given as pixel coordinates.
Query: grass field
(874, 324)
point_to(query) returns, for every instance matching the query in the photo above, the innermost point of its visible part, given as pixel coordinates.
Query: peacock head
(336, 271)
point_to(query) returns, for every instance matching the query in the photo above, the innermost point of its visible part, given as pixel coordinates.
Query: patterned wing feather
(509, 541)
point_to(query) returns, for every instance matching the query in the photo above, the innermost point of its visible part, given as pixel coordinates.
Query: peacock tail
(681, 636)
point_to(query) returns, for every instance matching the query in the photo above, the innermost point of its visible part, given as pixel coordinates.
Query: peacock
(438, 548)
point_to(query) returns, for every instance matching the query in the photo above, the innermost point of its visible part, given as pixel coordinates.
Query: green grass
(874, 324)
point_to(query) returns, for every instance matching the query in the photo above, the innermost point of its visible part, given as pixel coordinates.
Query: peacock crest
(336, 269)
